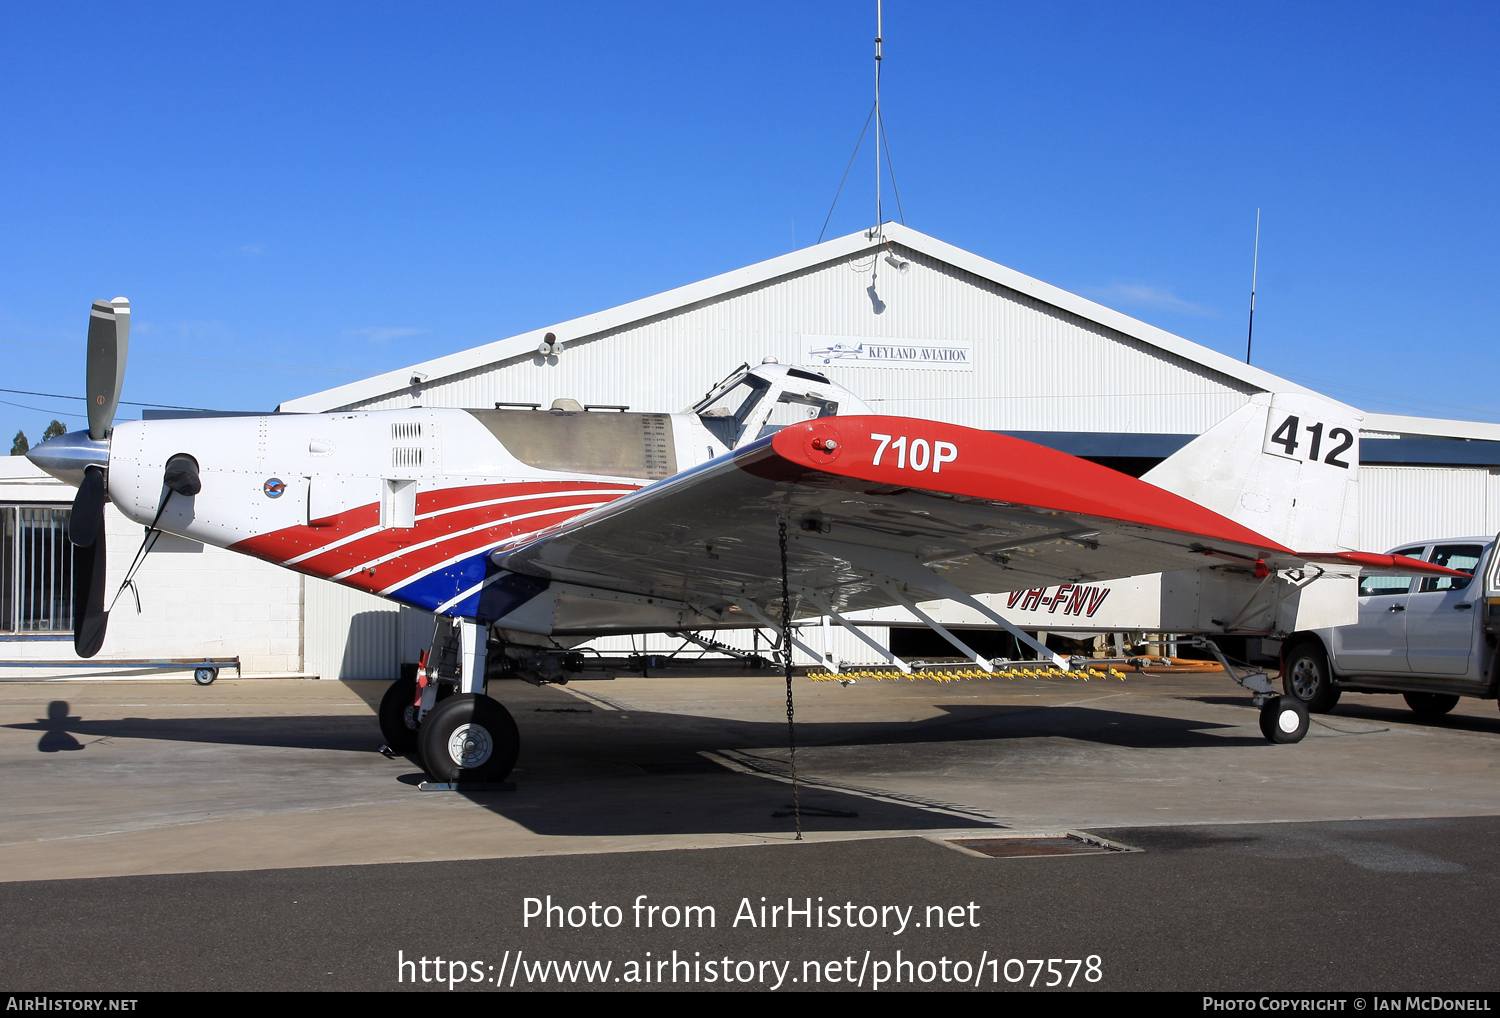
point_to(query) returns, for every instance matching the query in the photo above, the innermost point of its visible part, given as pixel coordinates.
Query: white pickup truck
(1432, 640)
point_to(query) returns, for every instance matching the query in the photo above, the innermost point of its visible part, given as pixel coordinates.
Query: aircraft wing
(869, 500)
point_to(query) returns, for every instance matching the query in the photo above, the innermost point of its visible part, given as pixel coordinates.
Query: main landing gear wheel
(1309, 678)
(1430, 705)
(469, 738)
(398, 718)
(1284, 719)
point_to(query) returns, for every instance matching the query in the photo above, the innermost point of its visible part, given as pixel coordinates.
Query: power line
(39, 410)
(124, 402)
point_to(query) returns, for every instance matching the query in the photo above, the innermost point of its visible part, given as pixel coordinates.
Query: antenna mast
(876, 231)
(1254, 269)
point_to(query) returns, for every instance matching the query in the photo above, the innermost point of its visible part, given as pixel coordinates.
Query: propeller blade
(89, 620)
(109, 341)
(86, 531)
(87, 521)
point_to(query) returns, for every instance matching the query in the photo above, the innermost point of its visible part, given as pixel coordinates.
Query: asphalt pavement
(1362, 906)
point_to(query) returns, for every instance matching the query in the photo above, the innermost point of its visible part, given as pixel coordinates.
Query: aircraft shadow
(1400, 715)
(614, 773)
(962, 723)
(1085, 724)
(657, 783)
(1393, 714)
(694, 796)
(342, 733)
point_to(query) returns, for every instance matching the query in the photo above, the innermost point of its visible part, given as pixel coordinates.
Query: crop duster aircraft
(539, 530)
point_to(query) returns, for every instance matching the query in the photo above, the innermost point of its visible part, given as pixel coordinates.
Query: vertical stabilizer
(1286, 465)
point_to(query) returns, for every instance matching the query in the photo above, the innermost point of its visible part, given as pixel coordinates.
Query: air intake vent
(405, 431)
(406, 456)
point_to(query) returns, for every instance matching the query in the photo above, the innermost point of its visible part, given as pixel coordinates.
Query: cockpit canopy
(754, 402)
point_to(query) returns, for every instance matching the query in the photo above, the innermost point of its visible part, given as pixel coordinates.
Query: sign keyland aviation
(549, 528)
(848, 352)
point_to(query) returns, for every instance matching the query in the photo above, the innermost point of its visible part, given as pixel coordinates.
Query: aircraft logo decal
(275, 487)
(836, 352)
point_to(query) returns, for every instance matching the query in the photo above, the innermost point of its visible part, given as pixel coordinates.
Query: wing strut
(910, 571)
(753, 610)
(890, 588)
(827, 609)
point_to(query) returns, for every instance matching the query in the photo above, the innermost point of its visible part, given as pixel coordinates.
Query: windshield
(724, 415)
(792, 408)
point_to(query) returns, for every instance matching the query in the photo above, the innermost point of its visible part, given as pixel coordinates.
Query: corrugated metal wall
(349, 634)
(1036, 367)
(1399, 505)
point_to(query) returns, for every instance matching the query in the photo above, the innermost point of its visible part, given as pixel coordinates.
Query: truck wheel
(1284, 719)
(1309, 678)
(1430, 705)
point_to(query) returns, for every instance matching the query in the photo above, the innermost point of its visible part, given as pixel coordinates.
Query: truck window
(1374, 586)
(1463, 557)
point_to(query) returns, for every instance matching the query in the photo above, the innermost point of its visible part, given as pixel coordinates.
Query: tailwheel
(469, 738)
(1284, 719)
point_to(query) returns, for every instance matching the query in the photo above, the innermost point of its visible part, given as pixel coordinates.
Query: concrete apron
(167, 777)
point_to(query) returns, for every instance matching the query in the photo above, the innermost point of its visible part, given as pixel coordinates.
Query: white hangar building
(914, 326)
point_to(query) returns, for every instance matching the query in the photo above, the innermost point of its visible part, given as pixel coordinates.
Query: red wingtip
(1370, 560)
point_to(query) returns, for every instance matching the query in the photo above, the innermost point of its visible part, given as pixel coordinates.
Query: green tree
(53, 430)
(20, 446)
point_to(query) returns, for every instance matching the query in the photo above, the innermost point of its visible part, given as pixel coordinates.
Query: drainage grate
(1023, 848)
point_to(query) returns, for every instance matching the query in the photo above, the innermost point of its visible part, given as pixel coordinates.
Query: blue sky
(296, 195)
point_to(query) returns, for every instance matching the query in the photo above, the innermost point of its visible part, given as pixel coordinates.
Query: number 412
(1286, 436)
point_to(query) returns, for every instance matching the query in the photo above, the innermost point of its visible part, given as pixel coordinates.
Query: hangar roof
(428, 372)
(762, 272)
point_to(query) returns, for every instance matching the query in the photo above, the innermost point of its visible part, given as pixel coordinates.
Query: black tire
(1430, 705)
(1284, 720)
(398, 718)
(205, 676)
(1309, 679)
(469, 738)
